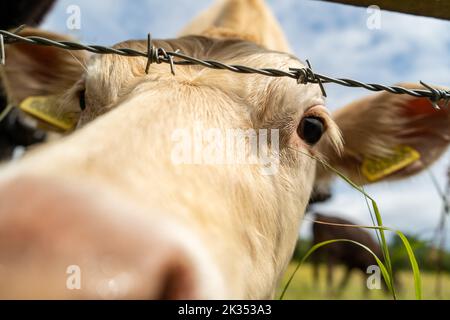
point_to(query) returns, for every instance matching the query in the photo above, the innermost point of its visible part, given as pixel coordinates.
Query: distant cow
(351, 256)
(133, 200)
(14, 131)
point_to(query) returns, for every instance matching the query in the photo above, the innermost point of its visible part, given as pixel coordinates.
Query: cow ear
(388, 136)
(33, 70)
(246, 20)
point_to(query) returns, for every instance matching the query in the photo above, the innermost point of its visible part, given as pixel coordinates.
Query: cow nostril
(178, 283)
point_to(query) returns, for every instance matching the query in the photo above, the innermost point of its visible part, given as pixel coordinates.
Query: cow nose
(58, 243)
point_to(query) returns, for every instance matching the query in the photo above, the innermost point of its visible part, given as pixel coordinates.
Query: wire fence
(159, 55)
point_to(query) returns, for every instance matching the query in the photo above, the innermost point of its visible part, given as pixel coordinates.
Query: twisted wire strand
(159, 55)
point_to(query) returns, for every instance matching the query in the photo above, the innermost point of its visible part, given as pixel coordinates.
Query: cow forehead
(110, 77)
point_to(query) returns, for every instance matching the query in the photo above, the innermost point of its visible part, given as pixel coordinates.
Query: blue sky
(337, 41)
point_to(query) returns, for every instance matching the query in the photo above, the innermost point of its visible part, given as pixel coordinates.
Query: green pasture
(302, 286)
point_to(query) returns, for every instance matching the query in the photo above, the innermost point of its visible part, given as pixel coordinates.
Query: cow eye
(311, 129)
(82, 99)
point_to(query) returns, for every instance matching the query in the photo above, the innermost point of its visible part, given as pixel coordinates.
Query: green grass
(386, 268)
(302, 286)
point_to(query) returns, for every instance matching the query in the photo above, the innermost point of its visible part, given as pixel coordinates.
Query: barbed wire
(160, 55)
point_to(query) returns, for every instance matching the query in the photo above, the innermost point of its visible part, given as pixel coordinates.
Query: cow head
(111, 200)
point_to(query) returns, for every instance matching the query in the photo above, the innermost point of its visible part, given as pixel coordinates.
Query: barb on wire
(159, 55)
(2, 50)
(436, 97)
(2, 44)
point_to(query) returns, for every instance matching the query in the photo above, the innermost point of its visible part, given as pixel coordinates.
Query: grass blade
(381, 229)
(383, 269)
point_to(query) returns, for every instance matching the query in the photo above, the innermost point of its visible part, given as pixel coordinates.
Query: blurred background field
(303, 288)
(430, 262)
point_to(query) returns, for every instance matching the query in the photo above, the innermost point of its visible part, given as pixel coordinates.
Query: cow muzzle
(57, 242)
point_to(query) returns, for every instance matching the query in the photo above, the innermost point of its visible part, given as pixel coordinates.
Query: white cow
(110, 204)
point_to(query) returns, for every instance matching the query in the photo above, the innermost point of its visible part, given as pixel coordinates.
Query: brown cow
(114, 201)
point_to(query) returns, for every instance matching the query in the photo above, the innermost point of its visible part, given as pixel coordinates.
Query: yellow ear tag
(45, 109)
(376, 168)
